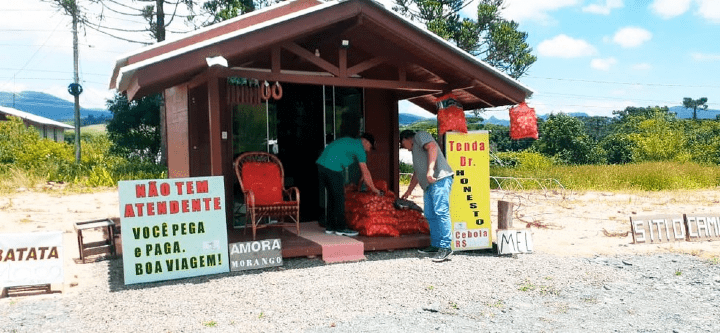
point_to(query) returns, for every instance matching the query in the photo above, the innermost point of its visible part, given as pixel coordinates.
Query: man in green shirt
(337, 157)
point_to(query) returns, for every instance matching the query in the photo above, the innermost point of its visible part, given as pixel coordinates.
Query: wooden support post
(505, 215)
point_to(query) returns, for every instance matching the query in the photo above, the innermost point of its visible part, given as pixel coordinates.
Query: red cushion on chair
(264, 180)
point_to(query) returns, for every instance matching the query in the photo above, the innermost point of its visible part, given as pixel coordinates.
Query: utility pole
(160, 36)
(75, 89)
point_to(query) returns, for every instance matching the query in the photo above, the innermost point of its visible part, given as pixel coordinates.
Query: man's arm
(432, 150)
(367, 178)
(411, 187)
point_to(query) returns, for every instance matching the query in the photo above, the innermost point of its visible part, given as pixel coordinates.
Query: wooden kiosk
(329, 58)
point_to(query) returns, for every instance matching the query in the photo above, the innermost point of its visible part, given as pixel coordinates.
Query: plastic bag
(450, 115)
(523, 122)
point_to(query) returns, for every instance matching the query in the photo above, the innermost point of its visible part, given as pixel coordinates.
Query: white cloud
(631, 36)
(62, 93)
(12, 87)
(710, 10)
(642, 66)
(533, 10)
(670, 8)
(603, 64)
(563, 46)
(705, 56)
(603, 8)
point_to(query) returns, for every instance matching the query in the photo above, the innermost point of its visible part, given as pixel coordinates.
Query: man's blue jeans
(437, 212)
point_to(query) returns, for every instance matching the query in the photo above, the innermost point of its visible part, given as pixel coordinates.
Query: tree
(221, 10)
(489, 37)
(694, 104)
(154, 13)
(618, 148)
(597, 127)
(500, 140)
(135, 127)
(564, 138)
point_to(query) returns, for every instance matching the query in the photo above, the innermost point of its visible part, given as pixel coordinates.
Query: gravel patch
(398, 291)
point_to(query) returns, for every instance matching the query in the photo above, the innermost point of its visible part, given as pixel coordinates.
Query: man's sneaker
(329, 231)
(442, 255)
(346, 232)
(429, 250)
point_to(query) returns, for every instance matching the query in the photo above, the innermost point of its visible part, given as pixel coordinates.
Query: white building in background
(48, 128)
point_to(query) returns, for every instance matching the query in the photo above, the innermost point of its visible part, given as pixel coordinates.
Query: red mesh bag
(381, 185)
(353, 220)
(523, 122)
(375, 216)
(263, 179)
(409, 215)
(411, 221)
(373, 203)
(380, 230)
(451, 116)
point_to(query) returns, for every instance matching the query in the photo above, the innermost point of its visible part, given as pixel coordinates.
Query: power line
(604, 97)
(48, 71)
(32, 30)
(36, 51)
(624, 83)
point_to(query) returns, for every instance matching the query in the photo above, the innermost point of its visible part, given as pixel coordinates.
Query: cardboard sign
(32, 258)
(173, 228)
(514, 241)
(658, 229)
(467, 154)
(702, 227)
(255, 254)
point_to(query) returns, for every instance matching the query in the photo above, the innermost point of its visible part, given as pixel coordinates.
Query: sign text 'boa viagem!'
(173, 228)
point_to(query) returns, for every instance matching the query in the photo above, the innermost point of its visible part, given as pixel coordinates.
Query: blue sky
(594, 56)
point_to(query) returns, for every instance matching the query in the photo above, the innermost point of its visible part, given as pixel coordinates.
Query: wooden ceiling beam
(320, 79)
(275, 65)
(311, 57)
(487, 86)
(469, 91)
(365, 65)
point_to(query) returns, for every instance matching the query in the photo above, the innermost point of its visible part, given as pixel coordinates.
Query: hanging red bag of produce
(450, 116)
(379, 230)
(523, 122)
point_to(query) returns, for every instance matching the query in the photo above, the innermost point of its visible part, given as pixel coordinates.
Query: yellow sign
(467, 154)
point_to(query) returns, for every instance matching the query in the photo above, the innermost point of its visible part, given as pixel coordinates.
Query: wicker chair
(261, 177)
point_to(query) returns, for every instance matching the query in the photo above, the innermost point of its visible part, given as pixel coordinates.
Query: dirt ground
(563, 223)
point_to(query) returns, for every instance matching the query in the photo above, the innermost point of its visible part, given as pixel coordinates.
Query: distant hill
(496, 121)
(684, 113)
(48, 106)
(407, 118)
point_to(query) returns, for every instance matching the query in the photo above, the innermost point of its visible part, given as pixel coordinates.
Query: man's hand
(430, 178)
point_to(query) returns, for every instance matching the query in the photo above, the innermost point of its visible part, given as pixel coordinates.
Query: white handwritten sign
(31, 258)
(514, 241)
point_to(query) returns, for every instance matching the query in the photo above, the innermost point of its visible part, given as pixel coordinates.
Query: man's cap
(370, 138)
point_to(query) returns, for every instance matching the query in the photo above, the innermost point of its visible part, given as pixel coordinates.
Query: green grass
(649, 176)
(90, 129)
